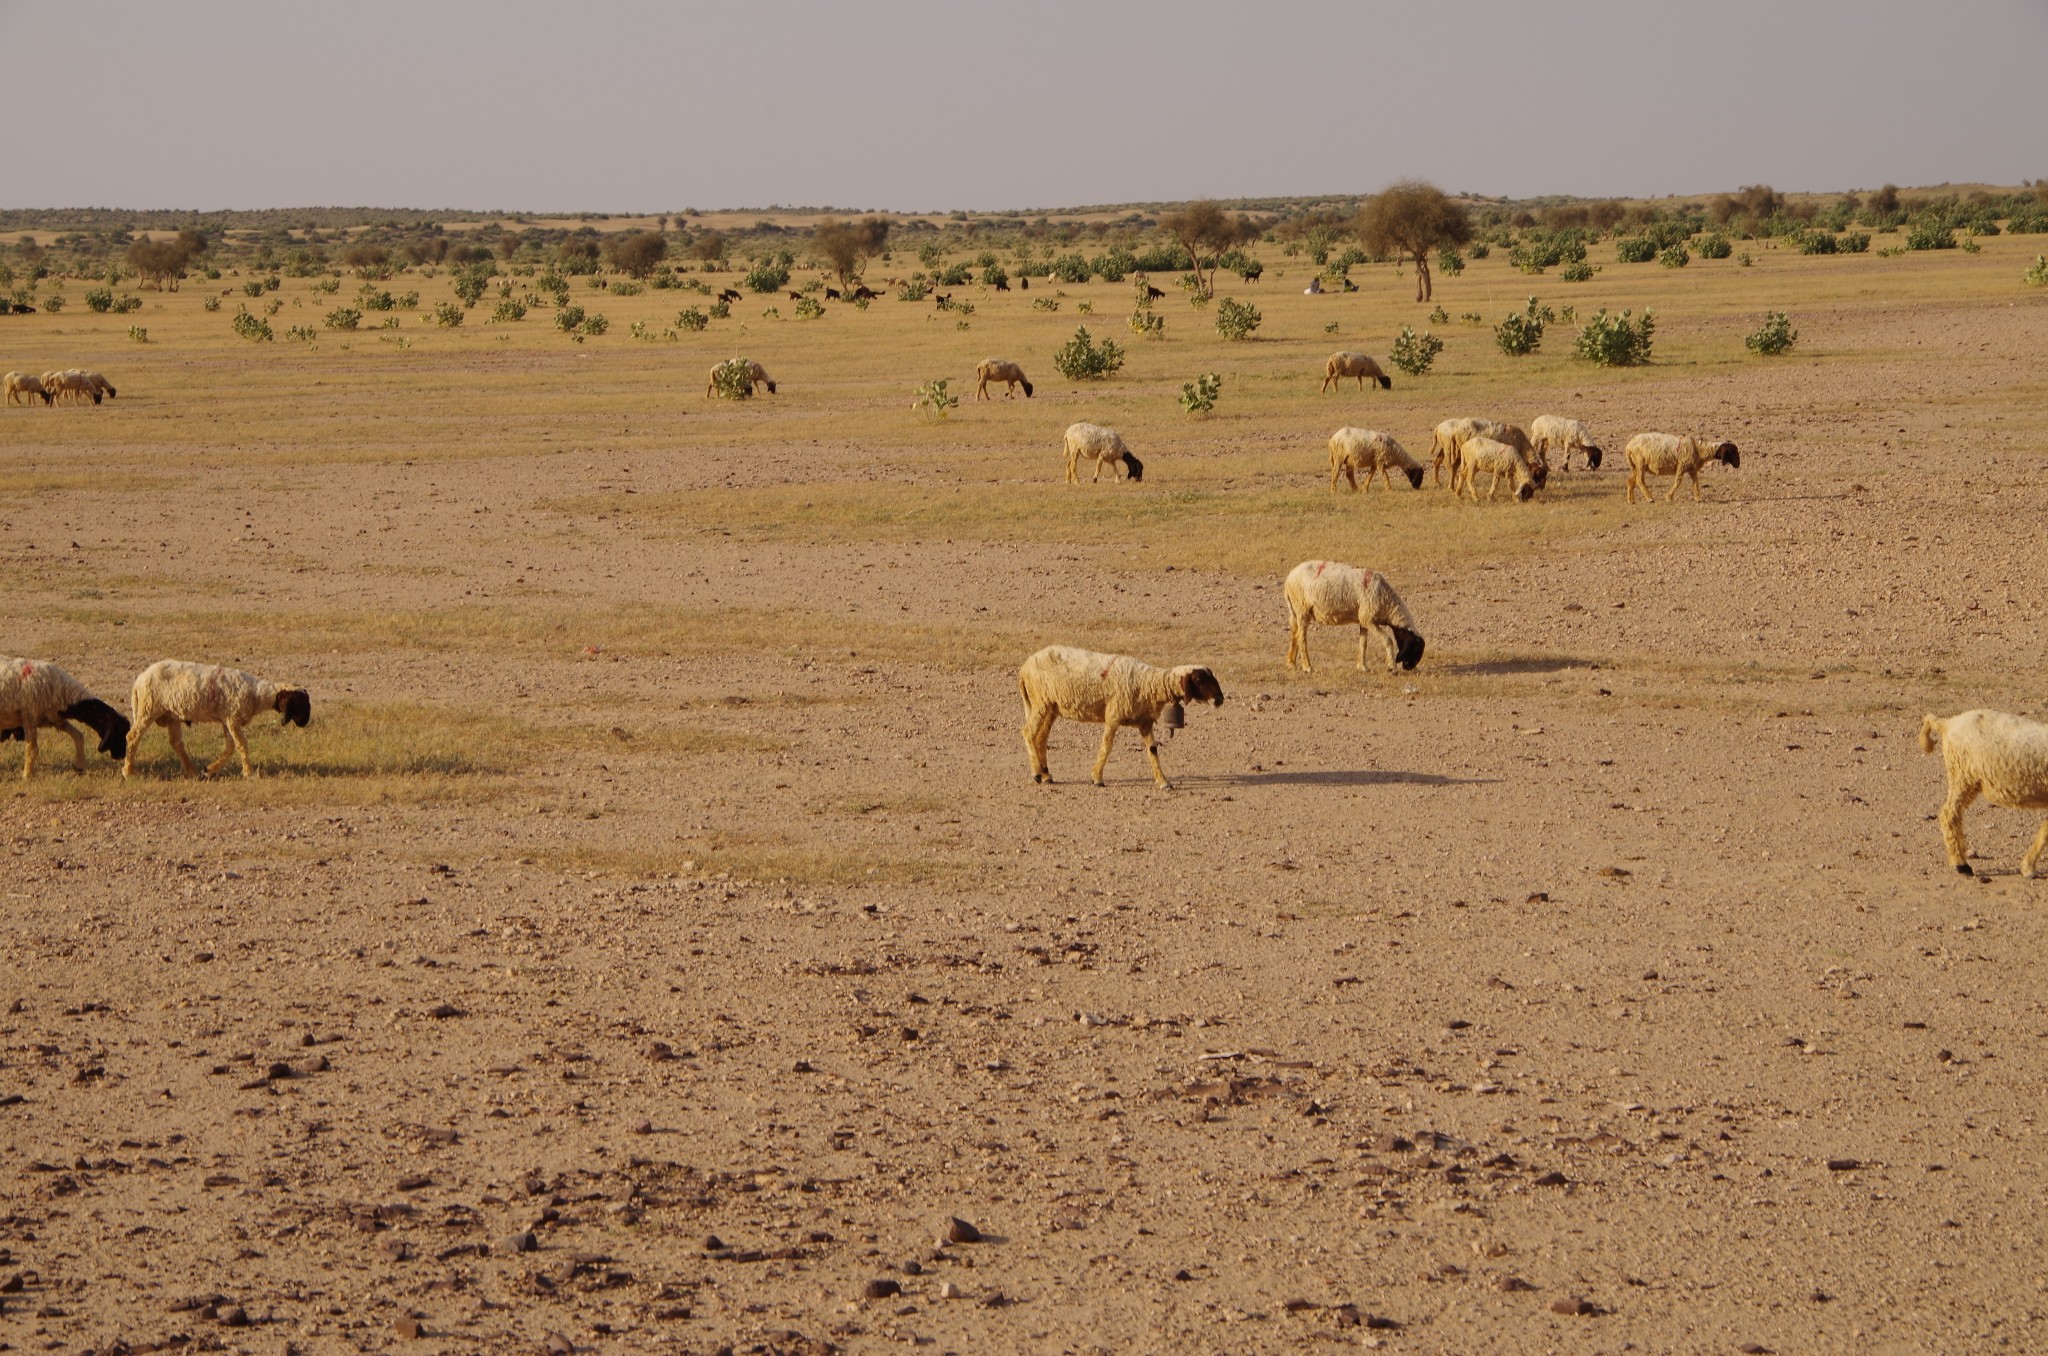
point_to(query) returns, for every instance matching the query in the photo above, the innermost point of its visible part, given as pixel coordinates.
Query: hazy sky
(638, 105)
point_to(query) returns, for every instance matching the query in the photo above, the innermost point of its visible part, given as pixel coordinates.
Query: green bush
(932, 400)
(1615, 341)
(1929, 233)
(1044, 304)
(765, 277)
(1080, 359)
(1776, 336)
(1635, 249)
(373, 300)
(1577, 271)
(721, 310)
(54, 302)
(994, 276)
(1199, 396)
(448, 315)
(809, 309)
(1678, 256)
(252, 289)
(1147, 325)
(1471, 318)
(914, 290)
(1521, 335)
(99, 300)
(1715, 246)
(141, 335)
(567, 318)
(691, 320)
(1113, 265)
(1070, 268)
(253, 328)
(2037, 275)
(1413, 353)
(509, 309)
(1450, 263)
(1815, 242)
(953, 275)
(327, 286)
(1236, 319)
(1852, 242)
(1480, 249)
(210, 304)
(344, 318)
(594, 323)
(729, 380)
(1439, 316)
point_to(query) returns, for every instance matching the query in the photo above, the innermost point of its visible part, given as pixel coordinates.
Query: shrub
(100, 300)
(252, 289)
(595, 323)
(1471, 318)
(914, 290)
(327, 286)
(1521, 335)
(1480, 249)
(373, 300)
(2037, 275)
(1743, 259)
(1044, 304)
(962, 307)
(1236, 319)
(1635, 249)
(1199, 396)
(1413, 353)
(1577, 271)
(508, 309)
(1929, 233)
(1147, 325)
(271, 307)
(994, 276)
(1450, 263)
(54, 302)
(765, 277)
(1677, 256)
(729, 380)
(141, 335)
(1439, 316)
(954, 275)
(1815, 242)
(1070, 268)
(1852, 242)
(721, 310)
(622, 288)
(344, 318)
(1715, 246)
(567, 318)
(253, 328)
(1113, 266)
(1776, 336)
(932, 400)
(691, 320)
(1081, 359)
(447, 315)
(1615, 341)
(1330, 328)
(210, 304)
(1969, 247)
(809, 309)
(472, 282)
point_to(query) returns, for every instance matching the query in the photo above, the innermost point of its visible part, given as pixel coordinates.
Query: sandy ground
(1609, 994)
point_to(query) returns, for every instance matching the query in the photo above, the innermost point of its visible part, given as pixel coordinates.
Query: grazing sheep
(1452, 435)
(1002, 370)
(1104, 447)
(1355, 365)
(1113, 689)
(1254, 273)
(1330, 593)
(36, 694)
(1002, 284)
(1669, 454)
(1377, 454)
(757, 375)
(170, 693)
(1499, 459)
(22, 387)
(1548, 431)
(2000, 757)
(832, 294)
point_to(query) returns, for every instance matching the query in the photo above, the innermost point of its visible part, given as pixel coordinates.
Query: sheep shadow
(1343, 777)
(1532, 664)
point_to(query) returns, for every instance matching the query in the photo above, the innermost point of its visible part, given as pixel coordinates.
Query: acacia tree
(848, 245)
(1204, 226)
(636, 252)
(160, 263)
(1412, 220)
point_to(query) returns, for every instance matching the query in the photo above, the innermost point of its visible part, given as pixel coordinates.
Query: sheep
(1330, 593)
(100, 385)
(1002, 370)
(832, 294)
(1547, 431)
(2001, 757)
(22, 387)
(71, 382)
(1103, 446)
(170, 693)
(1254, 273)
(1377, 454)
(1023, 284)
(1499, 459)
(1115, 689)
(757, 375)
(1002, 284)
(726, 295)
(1452, 434)
(36, 694)
(1669, 454)
(1355, 365)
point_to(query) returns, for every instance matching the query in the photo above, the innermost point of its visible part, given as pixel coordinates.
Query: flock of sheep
(70, 384)
(2002, 757)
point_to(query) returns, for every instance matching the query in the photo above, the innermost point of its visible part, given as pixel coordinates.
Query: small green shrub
(344, 318)
(1070, 268)
(252, 289)
(1852, 242)
(141, 335)
(1413, 353)
(959, 307)
(765, 277)
(1147, 325)
(210, 304)
(1577, 271)
(273, 306)
(691, 320)
(594, 323)
(568, 318)
(1615, 341)
(932, 400)
(721, 310)
(303, 334)
(1776, 336)
(100, 300)
(1744, 259)
(1969, 247)
(1471, 318)
(1678, 256)
(1815, 242)
(1635, 249)
(2037, 276)
(1439, 316)
(809, 309)
(508, 310)
(914, 290)
(448, 315)
(327, 286)
(1199, 396)
(1235, 320)
(1330, 328)
(954, 275)
(1929, 233)
(1480, 249)
(1716, 246)
(626, 288)
(1450, 263)
(1081, 359)
(994, 276)
(1044, 304)
(729, 380)
(253, 328)
(1521, 335)
(373, 300)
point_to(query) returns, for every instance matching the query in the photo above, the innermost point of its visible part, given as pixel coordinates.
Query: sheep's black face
(771, 388)
(1407, 647)
(295, 706)
(1593, 455)
(1137, 467)
(110, 725)
(1201, 686)
(15, 732)
(1415, 478)
(1728, 456)
(1386, 383)
(1027, 389)
(1526, 491)
(1539, 475)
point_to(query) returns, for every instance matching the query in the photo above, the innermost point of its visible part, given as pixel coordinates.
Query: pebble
(280, 1069)
(1843, 1164)
(644, 1128)
(882, 1288)
(1552, 1178)
(1572, 1304)
(414, 1183)
(558, 1345)
(517, 1243)
(409, 1328)
(960, 1231)
(948, 1290)
(443, 1010)
(397, 1249)
(234, 1316)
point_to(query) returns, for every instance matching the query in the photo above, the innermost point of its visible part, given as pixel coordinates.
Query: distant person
(1314, 288)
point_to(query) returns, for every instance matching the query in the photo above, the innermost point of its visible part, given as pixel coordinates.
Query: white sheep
(100, 386)
(1451, 436)
(1330, 593)
(1499, 459)
(2001, 757)
(1670, 454)
(757, 375)
(171, 693)
(1551, 431)
(1377, 454)
(23, 387)
(36, 694)
(1114, 689)
(1356, 365)
(1003, 370)
(65, 382)
(1104, 447)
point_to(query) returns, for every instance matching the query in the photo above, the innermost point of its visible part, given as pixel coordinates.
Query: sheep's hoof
(1044, 778)
(1963, 869)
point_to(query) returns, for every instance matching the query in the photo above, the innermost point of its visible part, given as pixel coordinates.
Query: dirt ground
(656, 940)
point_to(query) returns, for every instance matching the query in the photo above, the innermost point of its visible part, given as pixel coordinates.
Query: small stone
(1551, 1179)
(1513, 1284)
(713, 1243)
(1572, 1304)
(948, 1290)
(960, 1231)
(414, 1183)
(913, 1267)
(517, 1243)
(1753, 1349)
(396, 1249)
(444, 1010)
(644, 1128)
(801, 1066)
(318, 1064)
(1843, 1164)
(659, 1051)
(882, 1288)
(557, 1345)
(411, 1329)
(1391, 1143)
(233, 1316)
(280, 1069)
(1296, 1305)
